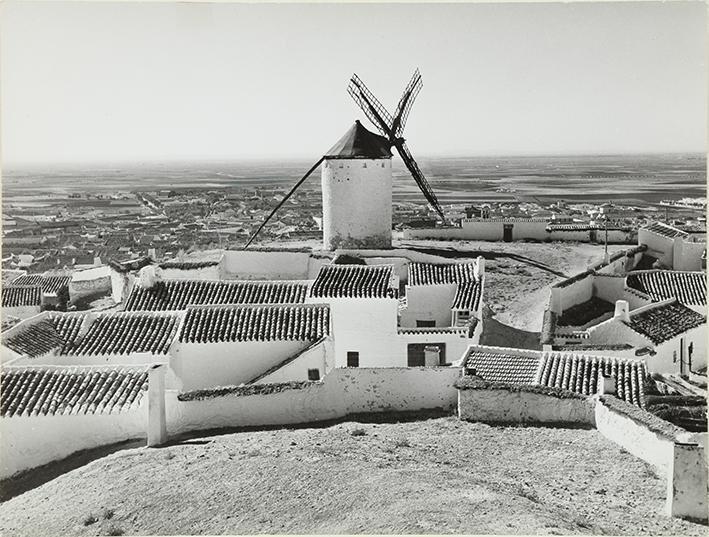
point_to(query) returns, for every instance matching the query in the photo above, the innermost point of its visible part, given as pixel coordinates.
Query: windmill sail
(393, 128)
(285, 198)
(405, 103)
(418, 176)
(373, 109)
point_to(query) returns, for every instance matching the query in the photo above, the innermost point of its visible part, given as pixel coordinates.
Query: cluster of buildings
(247, 318)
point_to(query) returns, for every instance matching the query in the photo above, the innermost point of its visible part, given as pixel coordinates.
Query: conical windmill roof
(358, 142)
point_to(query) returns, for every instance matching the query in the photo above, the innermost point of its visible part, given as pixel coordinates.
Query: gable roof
(128, 332)
(664, 322)
(579, 373)
(503, 365)
(178, 294)
(354, 281)
(687, 287)
(566, 370)
(55, 331)
(21, 295)
(34, 391)
(358, 142)
(665, 230)
(215, 324)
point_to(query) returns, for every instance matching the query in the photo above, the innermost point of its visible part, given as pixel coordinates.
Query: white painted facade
(429, 303)
(93, 281)
(356, 203)
(27, 442)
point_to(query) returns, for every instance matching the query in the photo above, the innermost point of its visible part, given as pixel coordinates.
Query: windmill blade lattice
(418, 176)
(373, 109)
(406, 102)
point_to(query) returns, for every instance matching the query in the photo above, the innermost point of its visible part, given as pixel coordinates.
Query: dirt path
(433, 476)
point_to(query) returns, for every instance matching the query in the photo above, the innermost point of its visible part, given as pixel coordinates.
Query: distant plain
(635, 179)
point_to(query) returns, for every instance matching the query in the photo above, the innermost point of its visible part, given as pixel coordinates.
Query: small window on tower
(382, 164)
(353, 359)
(364, 165)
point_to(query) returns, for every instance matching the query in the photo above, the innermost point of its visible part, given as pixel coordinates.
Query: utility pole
(605, 225)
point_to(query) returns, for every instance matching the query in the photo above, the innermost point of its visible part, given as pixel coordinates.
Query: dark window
(417, 353)
(425, 324)
(353, 359)
(313, 374)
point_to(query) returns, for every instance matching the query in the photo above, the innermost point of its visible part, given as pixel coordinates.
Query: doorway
(507, 232)
(417, 353)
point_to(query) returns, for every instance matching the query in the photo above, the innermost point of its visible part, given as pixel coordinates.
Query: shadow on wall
(36, 477)
(498, 334)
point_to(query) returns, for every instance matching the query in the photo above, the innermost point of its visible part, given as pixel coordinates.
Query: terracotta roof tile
(186, 265)
(34, 391)
(128, 332)
(354, 281)
(579, 373)
(56, 331)
(662, 323)
(445, 273)
(178, 294)
(469, 289)
(297, 322)
(500, 366)
(21, 295)
(48, 284)
(688, 287)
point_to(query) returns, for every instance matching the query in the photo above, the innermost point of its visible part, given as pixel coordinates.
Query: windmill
(356, 174)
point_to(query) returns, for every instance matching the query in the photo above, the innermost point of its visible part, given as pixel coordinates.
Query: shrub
(403, 442)
(89, 519)
(107, 514)
(358, 432)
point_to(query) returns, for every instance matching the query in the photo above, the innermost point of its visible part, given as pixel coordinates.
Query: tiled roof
(662, 323)
(354, 281)
(34, 391)
(687, 287)
(503, 366)
(128, 332)
(49, 284)
(469, 290)
(297, 322)
(178, 294)
(570, 227)
(665, 230)
(446, 273)
(21, 295)
(56, 331)
(579, 373)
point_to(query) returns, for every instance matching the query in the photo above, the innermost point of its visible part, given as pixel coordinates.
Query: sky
(129, 81)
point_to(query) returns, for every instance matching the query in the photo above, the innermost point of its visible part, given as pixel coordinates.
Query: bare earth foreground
(433, 476)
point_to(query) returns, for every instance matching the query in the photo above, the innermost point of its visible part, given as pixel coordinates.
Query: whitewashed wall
(654, 448)
(265, 265)
(456, 346)
(507, 406)
(687, 255)
(563, 298)
(206, 365)
(341, 392)
(320, 357)
(27, 442)
(668, 353)
(609, 288)
(658, 246)
(428, 302)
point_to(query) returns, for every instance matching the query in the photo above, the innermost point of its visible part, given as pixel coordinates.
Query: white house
(673, 248)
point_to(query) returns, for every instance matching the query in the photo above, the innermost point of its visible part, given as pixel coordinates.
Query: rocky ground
(432, 476)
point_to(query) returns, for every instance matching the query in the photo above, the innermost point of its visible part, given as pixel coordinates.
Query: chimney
(157, 427)
(97, 261)
(622, 311)
(479, 267)
(432, 356)
(151, 254)
(606, 385)
(149, 276)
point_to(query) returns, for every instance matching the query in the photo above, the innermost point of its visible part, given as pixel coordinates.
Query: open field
(433, 476)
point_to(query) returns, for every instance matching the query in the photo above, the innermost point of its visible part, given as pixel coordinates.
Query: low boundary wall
(340, 393)
(28, 442)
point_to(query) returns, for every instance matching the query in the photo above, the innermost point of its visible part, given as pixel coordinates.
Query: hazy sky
(137, 81)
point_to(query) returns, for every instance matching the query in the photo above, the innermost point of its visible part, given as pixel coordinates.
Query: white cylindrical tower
(356, 189)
